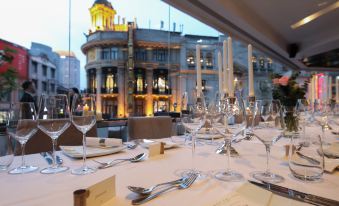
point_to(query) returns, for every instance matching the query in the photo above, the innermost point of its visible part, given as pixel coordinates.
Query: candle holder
(250, 117)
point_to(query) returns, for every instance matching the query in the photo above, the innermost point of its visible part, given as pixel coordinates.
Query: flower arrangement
(288, 91)
(8, 74)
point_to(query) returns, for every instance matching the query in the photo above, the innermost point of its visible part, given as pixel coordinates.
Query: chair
(41, 142)
(149, 127)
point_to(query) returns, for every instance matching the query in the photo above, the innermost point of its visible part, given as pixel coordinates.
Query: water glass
(6, 151)
(306, 162)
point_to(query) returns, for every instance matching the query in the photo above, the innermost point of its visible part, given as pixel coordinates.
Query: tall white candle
(220, 74)
(198, 68)
(230, 65)
(324, 88)
(250, 72)
(316, 87)
(225, 67)
(312, 89)
(337, 89)
(329, 88)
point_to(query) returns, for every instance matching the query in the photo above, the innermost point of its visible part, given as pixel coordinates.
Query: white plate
(76, 151)
(168, 144)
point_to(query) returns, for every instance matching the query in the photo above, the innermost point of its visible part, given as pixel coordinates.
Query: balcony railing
(161, 92)
(114, 90)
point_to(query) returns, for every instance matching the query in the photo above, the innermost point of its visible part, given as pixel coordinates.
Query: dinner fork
(185, 184)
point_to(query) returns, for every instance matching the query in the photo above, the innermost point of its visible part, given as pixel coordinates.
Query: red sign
(20, 59)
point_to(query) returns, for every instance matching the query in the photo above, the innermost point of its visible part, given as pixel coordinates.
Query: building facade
(43, 69)
(140, 72)
(69, 70)
(20, 61)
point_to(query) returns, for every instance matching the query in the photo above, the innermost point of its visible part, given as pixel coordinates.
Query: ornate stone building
(139, 72)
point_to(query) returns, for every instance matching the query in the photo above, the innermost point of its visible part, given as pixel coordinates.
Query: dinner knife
(296, 195)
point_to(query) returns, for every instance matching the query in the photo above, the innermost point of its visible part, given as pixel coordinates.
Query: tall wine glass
(213, 115)
(53, 120)
(22, 125)
(265, 111)
(268, 136)
(233, 108)
(251, 111)
(83, 118)
(193, 122)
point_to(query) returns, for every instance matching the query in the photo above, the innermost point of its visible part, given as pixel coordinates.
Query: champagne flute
(302, 108)
(83, 118)
(22, 125)
(53, 120)
(268, 136)
(232, 108)
(193, 122)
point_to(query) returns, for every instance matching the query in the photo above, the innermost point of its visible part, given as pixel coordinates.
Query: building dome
(104, 2)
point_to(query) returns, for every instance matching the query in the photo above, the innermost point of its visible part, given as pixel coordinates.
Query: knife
(296, 195)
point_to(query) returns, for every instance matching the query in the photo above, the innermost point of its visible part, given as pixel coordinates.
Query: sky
(46, 22)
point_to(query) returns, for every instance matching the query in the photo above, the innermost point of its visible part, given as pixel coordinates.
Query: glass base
(212, 142)
(23, 170)
(54, 170)
(83, 170)
(267, 177)
(201, 174)
(229, 176)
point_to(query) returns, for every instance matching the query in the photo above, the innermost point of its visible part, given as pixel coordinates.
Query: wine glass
(302, 108)
(268, 136)
(6, 143)
(233, 108)
(22, 125)
(193, 122)
(251, 112)
(83, 118)
(213, 116)
(265, 111)
(53, 120)
(275, 111)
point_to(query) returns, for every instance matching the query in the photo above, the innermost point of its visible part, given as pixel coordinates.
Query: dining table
(36, 189)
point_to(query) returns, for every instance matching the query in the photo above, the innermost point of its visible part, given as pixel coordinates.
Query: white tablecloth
(36, 189)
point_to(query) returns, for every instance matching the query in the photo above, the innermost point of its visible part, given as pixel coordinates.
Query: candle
(225, 68)
(198, 68)
(316, 87)
(312, 89)
(329, 88)
(230, 66)
(250, 72)
(337, 89)
(220, 73)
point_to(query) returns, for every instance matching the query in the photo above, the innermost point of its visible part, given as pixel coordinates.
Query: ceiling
(266, 24)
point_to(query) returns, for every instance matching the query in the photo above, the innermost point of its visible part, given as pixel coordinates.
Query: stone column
(174, 87)
(121, 92)
(99, 84)
(149, 98)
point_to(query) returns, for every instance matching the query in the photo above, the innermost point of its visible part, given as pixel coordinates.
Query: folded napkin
(103, 142)
(332, 150)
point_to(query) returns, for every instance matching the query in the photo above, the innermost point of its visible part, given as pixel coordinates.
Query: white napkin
(332, 150)
(103, 142)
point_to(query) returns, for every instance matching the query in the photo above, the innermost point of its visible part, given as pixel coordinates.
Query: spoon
(147, 191)
(137, 158)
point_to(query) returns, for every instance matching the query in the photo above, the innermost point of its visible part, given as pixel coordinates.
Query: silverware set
(104, 165)
(146, 194)
(48, 156)
(296, 195)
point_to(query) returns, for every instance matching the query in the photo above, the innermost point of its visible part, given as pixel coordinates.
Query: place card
(156, 148)
(96, 194)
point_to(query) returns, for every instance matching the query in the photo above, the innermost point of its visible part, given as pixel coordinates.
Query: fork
(184, 185)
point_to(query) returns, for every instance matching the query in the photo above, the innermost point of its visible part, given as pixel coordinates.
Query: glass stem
(84, 149)
(268, 151)
(193, 151)
(23, 163)
(54, 165)
(228, 148)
